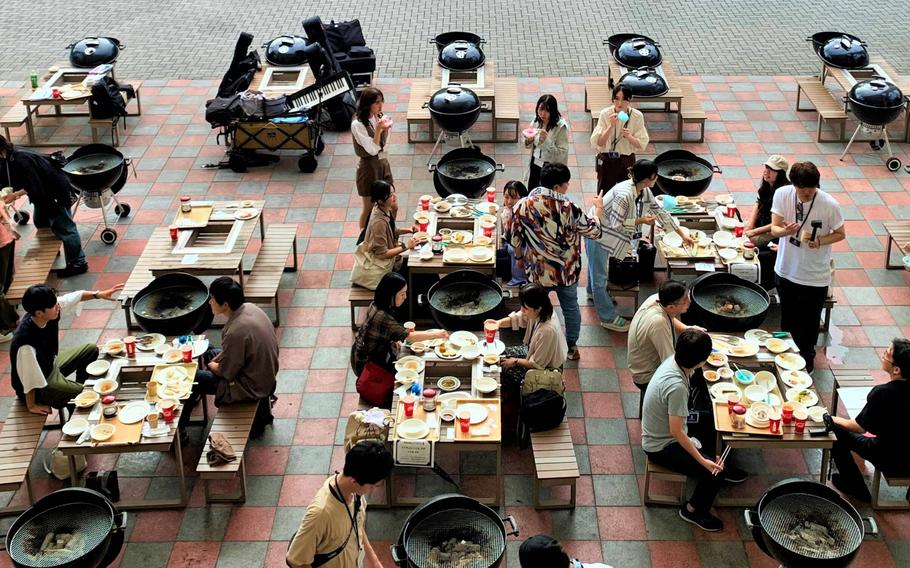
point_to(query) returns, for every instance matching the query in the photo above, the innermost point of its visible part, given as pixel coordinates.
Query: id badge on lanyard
(538, 159)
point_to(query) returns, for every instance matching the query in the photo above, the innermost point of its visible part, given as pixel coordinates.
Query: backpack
(221, 111)
(542, 410)
(243, 67)
(106, 100)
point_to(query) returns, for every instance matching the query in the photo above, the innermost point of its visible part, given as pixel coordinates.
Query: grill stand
(463, 138)
(893, 164)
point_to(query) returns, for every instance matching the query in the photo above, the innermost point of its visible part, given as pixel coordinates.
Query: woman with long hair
(551, 143)
(381, 251)
(758, 227)
(370, 134)
(512, 192)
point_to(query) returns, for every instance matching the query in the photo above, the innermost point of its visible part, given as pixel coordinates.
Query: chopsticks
(723, 458)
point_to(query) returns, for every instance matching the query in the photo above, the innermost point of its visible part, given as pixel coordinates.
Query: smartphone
(818, 432)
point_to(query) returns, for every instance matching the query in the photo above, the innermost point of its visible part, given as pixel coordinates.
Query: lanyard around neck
(337, 494)
(806, 216)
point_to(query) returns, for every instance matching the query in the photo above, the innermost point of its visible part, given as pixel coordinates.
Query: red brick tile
(250, 523)
(602, 405)
(326, 380)
(531, 521)
(303, 317)
(315, 432)
(615, 459)
(92, 319)
(874, 315)
(295, 358)
(157, 526)
(298, 490)
(288, 406)
(195, 554)
(674, 554)
(621, 523)
(266, 460)
(894, 296)
(589, 551)
(596, 358)
(874, 554)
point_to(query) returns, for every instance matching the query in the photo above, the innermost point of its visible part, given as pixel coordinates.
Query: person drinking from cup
(550, 140)
(620, 132)
(370, 135)
(380, 251)
(808, 222)
(39, 368)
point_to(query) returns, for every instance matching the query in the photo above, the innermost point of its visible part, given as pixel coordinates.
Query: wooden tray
(195, 219)
(702, 253)
(190, 369)
(123, 433)
(722, 423)
(493, 421)
(419, 414)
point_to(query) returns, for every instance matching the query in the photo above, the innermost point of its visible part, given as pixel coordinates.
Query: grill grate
(782, 517)
(463, 524)
(91, 524)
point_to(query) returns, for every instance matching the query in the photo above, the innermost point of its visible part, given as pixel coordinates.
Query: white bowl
(87, 399)
(172, 356)
(755, 393)
(406, 377)
(162, 349)
(470, 352)
(711, 376)
(98, 368)
(816, 413)
(728, 254)
(448, 384)
(765, 379)
(105, 386)
(103, 432)
(485, 385)
(75, 427)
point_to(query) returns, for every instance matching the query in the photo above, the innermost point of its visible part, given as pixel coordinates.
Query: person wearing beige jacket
(620, 132)
(550, 142)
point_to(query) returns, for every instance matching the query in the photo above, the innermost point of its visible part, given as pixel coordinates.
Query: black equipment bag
(342, 36)
(623, 272)
(647, 254)
(243, 67)
(541, 410)
(107, 100)
(104, 482)
(222, 111)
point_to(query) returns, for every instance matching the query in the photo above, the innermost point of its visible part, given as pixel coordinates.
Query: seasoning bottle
(33, 78)
(437, 244)
(185, 204)
(739, 417)
(109, 405)
(429, 400)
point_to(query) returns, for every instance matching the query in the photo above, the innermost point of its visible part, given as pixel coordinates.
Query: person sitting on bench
(246, 367)
(39, 366)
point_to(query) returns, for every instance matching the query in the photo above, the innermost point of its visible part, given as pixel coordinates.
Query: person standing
(51, 194)
(546, 236)
(620, 132)
(333, 531)
(551, 143)
(807, 221)
(370, 134)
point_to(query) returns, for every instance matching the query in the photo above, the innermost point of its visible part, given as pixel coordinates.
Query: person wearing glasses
(877, 432)
(620, 132)
(807, 221)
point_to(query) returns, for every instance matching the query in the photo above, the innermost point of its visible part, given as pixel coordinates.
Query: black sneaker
(829, 422)
(733, 474)
(706, 522)
(73, 270)
(859, 492)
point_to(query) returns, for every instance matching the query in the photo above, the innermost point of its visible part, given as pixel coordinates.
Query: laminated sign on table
(415, 453)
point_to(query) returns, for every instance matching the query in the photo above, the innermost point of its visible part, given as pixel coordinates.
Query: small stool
(654, 471)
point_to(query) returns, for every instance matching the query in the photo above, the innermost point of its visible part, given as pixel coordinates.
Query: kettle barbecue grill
(98, 172)
(876, 102)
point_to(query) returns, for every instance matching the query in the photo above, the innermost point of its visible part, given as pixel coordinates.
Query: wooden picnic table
(487, 93)
(132, 378)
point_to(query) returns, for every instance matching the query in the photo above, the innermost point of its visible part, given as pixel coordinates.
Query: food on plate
(102, 432)
(447, 350)
(458, 237)
(711, 376)
(114, 347)
(448, 383)
(491, 358)
(87, 398)
(726, 373)
(717, 359)
(411, 365)
(105, 386)
(418, 347)
(803, 396)
(776, 345)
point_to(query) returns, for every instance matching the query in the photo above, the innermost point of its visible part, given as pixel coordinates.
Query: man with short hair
(246, 367)
(877, 434)
(332, 533)
(544, 551)
(808, 222)
(39, 366)
(664, 431)
(546, 234)
(653, 331)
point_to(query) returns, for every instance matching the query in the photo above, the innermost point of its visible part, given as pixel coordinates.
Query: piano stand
(462, 137)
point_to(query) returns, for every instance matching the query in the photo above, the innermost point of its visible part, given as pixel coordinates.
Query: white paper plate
(87, 399)
(470, 352)
(75, 427)
(413, 429)
(451, 352)
(757, 335)
(485, 385)
(723, 199)
(487, 207)
(448, 399)
(246, 214)
(672, 240)
(133, 412)
(171, 375)
(461, 237)
(453, 383)
(495, 348)
(478, 413)
(728, 254)
(463, 339)
(717, 359)
(720, 388)
(810, 398)
(777, 346)
(796, 379)
(481, 254)
(790, 361)
(402, 364)
(724, 239)
(755, 423)
(745, 349)
(98, 368)
(455, 255)
(483, 240)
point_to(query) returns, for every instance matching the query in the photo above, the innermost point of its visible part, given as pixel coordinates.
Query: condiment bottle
(739, 417)
(185, 204)
(429, 400)
(437, 244)
(109, 405)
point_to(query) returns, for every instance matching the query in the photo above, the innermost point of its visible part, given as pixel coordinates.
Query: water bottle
(34, 79)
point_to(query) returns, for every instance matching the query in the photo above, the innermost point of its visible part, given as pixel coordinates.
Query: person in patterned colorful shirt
(546, 234)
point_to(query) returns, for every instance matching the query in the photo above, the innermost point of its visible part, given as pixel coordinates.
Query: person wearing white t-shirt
(807, 221)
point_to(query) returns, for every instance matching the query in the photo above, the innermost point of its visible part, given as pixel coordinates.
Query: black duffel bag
(623, 272)
(221, 111)
(647, 255)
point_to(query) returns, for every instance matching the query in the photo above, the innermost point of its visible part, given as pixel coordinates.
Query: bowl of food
(765, 379)
(87, 399)
(776, 345)
(485, 385)
(717, 359)
(409, 363)
(172, 356)
(103, 432)
(75, 427)
(444, 232)
(98, 368)
(711, 376)
(491, 358)
(442, 206)
(447, 414)
(725, 373)
(114, 347)
(448, 384)
(419, 347)
(105, 386)
(755, 393)
(406, 377)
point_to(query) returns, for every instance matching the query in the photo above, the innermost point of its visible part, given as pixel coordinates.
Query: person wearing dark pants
(665, 435)
(619, 133)
(877, 432)
(807, 221)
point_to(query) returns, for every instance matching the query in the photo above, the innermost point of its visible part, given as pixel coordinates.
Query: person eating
(381, 252)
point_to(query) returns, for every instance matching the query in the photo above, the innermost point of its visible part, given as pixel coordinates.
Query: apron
(371, 168)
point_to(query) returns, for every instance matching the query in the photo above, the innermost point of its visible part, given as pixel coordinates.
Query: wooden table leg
(823, 470)
(888, 252)
(74, 474)
(178, 456)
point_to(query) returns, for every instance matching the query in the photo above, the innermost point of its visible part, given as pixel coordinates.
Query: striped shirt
(621, 208)
(546, 233)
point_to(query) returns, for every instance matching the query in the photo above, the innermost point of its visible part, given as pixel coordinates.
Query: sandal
(619, 324)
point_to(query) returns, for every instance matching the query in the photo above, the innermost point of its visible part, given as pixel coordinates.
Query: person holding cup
(550, 142)
(808, 221)
(380, 251)
(370, 135)
(620, 132)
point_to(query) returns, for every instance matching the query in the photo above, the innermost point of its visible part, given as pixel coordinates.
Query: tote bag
(368, 270)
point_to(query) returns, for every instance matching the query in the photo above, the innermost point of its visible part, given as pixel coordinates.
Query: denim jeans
(568, 301)
(598, 265)
(61, 223)
(518, 275)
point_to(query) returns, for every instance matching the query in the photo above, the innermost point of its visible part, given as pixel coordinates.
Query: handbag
(58, 464)
(372, 424)
(623, 272)
(647, 254)
(375, 384)
(549, 379)
(368, 270)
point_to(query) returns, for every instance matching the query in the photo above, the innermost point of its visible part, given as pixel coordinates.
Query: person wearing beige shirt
(654, 329)
(620, 132)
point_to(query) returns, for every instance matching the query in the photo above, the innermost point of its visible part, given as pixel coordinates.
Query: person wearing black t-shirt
(877, 434)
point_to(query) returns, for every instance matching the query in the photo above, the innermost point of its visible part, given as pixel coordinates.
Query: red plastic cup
(464, 420)
(425, 202)
(488, 229)
(174, 233)
(410, 326)
(774, 422)
(787, 413)
(408, 402)
(731, 211)
(130, 343)
(55, 93)
(423, 224)
(167, 411)
(799, 421)
(187, 352)
(490, 327)
(738, 231)
(491, 194)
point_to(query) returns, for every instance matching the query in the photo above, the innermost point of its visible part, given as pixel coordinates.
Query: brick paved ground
(190, 40)
(171, 141)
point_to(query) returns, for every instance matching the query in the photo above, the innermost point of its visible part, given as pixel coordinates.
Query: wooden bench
(510, 297)
(598, 96)
(849, 378)
(417, 115)
(18, 442)
(35, 265)
(877, 503)
(505, 111)
(898, 236)
(261, 286)
(690, 110)
(359, 297)
(112, 122)
(618, 292)
(654, 471)
(14, 117)
(555, 465)
(829, 108)
(234, 421)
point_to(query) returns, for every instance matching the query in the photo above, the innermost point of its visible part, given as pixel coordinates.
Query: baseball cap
(542, 551)
(778, 162)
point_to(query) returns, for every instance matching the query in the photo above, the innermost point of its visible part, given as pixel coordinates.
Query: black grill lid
(286, 50)
(877, 93)
(844, 52)
(461, 55)
(638, 52)
(93, 50)
(454, 100)
(645, 82)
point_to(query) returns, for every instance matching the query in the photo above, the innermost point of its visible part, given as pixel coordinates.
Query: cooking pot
(633, 50)
(875, 101)
(73, 510)
(840, 50)
(463, 300)
(794, 509)
(645, 82)
(173, 304)
(452, 516)
(93, 50)
(454, 108)
(464, 170)
(96, 167)
(461, 55)
(714, 290)
(286, 50)
(680, 172)
(444, 39)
